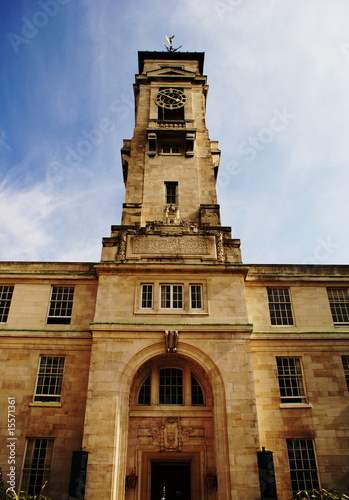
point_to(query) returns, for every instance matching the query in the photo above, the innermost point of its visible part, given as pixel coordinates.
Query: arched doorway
(171, 443)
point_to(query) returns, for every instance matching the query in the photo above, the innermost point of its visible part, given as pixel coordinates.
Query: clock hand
(174, 98)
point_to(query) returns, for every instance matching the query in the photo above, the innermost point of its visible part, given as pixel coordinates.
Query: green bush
(23, 495)
(320, 494)
(8, 494)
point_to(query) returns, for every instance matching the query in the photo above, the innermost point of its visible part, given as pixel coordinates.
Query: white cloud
(25, 214)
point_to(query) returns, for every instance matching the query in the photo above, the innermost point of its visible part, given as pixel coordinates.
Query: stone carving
(171, 341)
(171, 214)
(154, 431)
(220, 250)
(183, 226)
(189, 245)
(171, 434)
(122, 246)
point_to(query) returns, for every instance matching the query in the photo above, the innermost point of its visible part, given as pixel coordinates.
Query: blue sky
(278, 104)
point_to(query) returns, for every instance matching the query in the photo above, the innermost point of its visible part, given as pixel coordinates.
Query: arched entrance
(171, 439)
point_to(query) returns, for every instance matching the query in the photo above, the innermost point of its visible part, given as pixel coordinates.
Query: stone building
(179, 371)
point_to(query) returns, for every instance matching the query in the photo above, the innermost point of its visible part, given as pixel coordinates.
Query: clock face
(170, 98)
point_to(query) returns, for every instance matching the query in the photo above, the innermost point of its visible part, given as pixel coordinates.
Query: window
(339, 303)
(61, 305)
(196, 296)
(345, 361)
(197, 396)
(171, 296)
(302, 462)
(171, 193)
(49, 380)
(37, 464)
(144, 393)
(290, 380)
(147, 296)
(171, 149)
(170, 386)
(280, 306)
(6, 292)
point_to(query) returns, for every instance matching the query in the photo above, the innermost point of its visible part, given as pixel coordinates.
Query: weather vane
(169, 41)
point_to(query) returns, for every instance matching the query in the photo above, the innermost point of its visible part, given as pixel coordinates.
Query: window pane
(37, 464)
(49, 381)
(171, 149)
(196, 296)
(339, 303)
(177, 296)
(280, 306)
(165, 296)
(147, 297)
(171, 386)
(290, 380)
(6, 292)
(302, 464)
(144, 393)
(171, 297)
(345, 361)
(197, 396)
(171, 192)
(61, 305)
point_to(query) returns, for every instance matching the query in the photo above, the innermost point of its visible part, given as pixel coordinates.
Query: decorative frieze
(171, 246)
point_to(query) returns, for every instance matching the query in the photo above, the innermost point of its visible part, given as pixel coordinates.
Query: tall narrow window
(339, 303)
(171, 192)
(144, 392)
(172, 296)
(6, 292)
(196, 296)
(49, 380)
(280, 306)
(170, 386)
(302, 462)
(197, 396)
(61, 305)
(147, 296)
(290, 380)
(37, 464)
(345, 361)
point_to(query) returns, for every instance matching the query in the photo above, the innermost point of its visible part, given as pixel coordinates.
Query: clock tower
(170, 168)
(170, 336)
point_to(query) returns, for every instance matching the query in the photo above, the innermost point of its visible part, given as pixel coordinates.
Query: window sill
(52, 404)
(170, 311)
(170, 154)
(295, 405)
(282, 326)
(163, 410)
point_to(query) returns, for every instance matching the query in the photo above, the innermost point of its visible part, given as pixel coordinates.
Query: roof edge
(175, 56)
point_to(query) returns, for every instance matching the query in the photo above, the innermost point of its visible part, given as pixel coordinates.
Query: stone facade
(173, 369)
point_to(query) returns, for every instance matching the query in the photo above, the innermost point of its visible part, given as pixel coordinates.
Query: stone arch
(200, 358)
